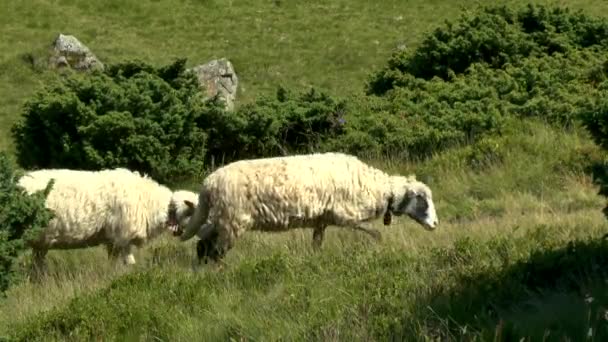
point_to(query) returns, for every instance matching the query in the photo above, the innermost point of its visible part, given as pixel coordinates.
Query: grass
(332, 45)
(500, 263)
(517, 255)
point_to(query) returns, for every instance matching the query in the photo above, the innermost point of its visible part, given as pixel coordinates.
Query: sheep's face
(206, 249)
(181, 209)
(416, 201)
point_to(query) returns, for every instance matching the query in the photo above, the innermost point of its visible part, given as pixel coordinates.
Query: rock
(68, 51)
(218, 77)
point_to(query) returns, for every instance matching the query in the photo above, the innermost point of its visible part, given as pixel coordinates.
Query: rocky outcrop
(218, 77)
(67, 51)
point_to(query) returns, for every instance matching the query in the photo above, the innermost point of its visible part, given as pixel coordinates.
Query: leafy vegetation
(595, 120)
(21, 217)
(456, 88)
(496, 37)
(131, 115)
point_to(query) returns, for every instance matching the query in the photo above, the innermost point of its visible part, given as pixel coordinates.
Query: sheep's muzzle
(171, 222)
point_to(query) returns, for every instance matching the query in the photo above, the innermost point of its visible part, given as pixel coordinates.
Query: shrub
(457, 88)
(467, 76)
(421, 119)
(495, 36)
(153, 120)
(131, 115)
(290, 122)
(596, 121)
(21, 217)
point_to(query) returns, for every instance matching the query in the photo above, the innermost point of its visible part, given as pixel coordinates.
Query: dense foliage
(287, 123)
(466, 76)
(596, 122)
(130, 115)
(21, 217)
(535, 62)
(497, 37)
(455, 89)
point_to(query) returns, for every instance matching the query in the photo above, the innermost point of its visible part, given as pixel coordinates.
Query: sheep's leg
(39, 262)
(123, 252)
(223, 243)
(39, 256)
(371, 231)
(112, 251)
(206, 247)
(127, 255)
(317, 236)
(210, 247)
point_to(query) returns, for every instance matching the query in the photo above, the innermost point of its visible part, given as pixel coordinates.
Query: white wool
(313, 190)
(115, 207)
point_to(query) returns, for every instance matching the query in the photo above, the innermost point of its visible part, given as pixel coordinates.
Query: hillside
(333, 45)
(502, 122)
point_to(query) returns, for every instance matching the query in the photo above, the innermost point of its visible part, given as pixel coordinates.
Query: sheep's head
(181, 209)
(207, 249)
(415, 199)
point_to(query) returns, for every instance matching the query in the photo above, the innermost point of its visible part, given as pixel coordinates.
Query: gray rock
(218, 77)
(67, 51)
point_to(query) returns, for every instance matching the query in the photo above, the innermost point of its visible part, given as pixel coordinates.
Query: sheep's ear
(409, 193)
(189, 204)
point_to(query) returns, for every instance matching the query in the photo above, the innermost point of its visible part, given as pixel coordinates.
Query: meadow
(518, 253)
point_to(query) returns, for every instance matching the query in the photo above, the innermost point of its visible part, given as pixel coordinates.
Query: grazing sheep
(116, 207)
(306, 191)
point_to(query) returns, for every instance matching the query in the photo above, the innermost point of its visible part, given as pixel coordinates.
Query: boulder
(67, 51)
(217, 77)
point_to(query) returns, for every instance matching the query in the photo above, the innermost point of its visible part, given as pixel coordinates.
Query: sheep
(117, 208)
(305, 191)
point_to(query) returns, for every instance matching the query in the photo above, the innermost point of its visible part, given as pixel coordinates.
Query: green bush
(154, 120)
(21, 217)
(422, 118)
(467, 77)
(290, 122)
(457, 88)
(596, 121)
(131, 115)
(495, 36)
(537, 62)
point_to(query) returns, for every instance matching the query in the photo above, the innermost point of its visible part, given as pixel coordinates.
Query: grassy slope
(537, 199)
(330, 44)
(414, 283)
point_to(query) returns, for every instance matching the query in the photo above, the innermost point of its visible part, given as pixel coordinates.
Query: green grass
(332, 45)
(499, 264)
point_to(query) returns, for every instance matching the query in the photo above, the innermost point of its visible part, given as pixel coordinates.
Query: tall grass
(499, 264)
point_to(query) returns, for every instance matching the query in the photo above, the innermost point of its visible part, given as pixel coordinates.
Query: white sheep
(305, 191)
(117, 208)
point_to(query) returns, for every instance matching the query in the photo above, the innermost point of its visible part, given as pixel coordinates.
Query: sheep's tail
(201, 213)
